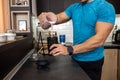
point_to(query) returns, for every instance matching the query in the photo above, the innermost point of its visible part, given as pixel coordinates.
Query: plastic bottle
(114, 32)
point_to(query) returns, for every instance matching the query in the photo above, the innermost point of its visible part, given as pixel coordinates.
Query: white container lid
(2, 35)
(10, 34)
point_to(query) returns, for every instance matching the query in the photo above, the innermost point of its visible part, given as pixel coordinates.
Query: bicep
(105, 21)
(103, 29)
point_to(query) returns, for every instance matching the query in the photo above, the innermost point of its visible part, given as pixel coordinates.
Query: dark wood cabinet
(116, 4)
(11, 53)
(50, 5)
(69, 2)
(42, 6)
(20, 17)
(55, 6)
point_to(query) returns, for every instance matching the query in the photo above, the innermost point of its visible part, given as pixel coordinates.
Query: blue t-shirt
(84, 19)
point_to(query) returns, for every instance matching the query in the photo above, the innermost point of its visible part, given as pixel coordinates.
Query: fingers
(46, 19)
(54, 45)
(54, 49)
(58, 49)
(51, 17)
(42, 19)
(56, 54)
(41, 16)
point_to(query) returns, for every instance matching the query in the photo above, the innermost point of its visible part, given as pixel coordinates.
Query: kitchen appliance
(41, 62)
(116, 37)
(52, 39)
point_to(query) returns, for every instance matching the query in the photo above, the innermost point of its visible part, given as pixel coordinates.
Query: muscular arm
(61, 18)
(102, 31)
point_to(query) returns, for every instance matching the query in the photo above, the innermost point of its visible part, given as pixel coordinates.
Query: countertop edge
(110, 45)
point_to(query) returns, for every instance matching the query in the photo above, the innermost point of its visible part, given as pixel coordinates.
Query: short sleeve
(106, 13)
(69, 10)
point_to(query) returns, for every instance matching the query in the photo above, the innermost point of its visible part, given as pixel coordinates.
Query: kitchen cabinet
(116, 4)
(2, 17)
(55, 6)
(118, 65)
(110, 65)
(42, 6)
(21, 11)
(7, 14)
(11, 53)
(69, 2)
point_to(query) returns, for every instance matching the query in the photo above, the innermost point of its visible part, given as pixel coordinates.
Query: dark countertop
(110, 45)
(67, 67)
(107, 45)
(60, 68)
(7, 45)
(11, 53)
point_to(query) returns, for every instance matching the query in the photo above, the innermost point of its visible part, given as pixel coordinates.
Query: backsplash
(67, 29)
(117, 22)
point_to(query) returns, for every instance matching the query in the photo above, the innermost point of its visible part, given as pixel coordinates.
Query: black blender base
(42, 64)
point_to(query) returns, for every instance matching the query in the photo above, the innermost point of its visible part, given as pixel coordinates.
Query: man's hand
(47, 19)
(58, 49)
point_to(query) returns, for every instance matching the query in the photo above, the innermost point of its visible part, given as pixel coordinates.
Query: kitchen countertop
(110, 45)
(11, 53)
(5, 43)
(60, 68)
(58, 65)
(107, 45)
(4, 46)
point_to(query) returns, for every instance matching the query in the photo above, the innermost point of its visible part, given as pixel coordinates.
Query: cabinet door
(109, 71)
(42, 6)
(116, 4)
(119, 64)
(56, 6)
(69, 2)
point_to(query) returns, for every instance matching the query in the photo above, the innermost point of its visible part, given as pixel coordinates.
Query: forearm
(61, 18)
(102, 31)
(88, 45)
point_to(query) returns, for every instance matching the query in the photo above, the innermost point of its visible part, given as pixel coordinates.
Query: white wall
(66, 28)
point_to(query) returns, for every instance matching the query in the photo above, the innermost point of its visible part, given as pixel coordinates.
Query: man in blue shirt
(93, 21)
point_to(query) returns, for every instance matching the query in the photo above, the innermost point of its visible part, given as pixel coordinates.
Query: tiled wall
(117, 22)
(66, 28)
